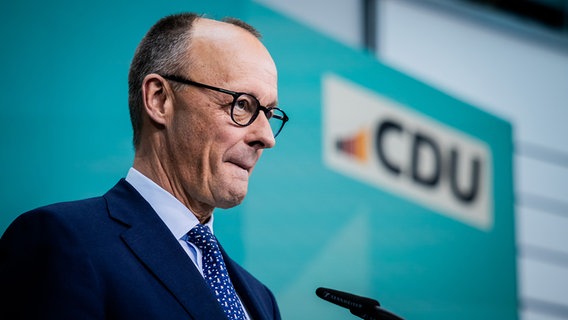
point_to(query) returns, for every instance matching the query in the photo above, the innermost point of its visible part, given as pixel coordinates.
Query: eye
(245, 104)
(244, 108)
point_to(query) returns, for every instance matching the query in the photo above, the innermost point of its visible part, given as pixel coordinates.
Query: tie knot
(201, 236)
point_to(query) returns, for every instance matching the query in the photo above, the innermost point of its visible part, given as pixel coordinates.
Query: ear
(156, 97)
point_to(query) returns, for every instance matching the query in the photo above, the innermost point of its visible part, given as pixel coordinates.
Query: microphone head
(365, 308)
(346, 300)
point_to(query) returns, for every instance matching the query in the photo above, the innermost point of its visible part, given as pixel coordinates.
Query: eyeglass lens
(245, 109)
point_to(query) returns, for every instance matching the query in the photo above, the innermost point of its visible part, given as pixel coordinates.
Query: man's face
(211, 157)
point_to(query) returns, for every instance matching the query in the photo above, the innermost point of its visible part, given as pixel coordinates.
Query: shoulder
(70, 214)
(63, 210)
(55, 218)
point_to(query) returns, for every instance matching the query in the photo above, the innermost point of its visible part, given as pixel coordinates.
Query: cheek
(199, 143)
(186, 144)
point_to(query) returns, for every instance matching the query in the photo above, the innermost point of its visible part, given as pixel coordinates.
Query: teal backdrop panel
(65, 134)
(316, 226)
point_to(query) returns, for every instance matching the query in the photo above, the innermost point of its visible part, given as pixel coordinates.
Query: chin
(229, 203)
(232, 199)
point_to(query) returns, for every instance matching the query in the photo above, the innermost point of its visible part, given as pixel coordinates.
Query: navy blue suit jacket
(109, 257)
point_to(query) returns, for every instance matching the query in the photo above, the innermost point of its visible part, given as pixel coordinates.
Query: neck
(148, 162)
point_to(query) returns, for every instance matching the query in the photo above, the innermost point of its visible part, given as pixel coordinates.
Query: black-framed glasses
(244, 108)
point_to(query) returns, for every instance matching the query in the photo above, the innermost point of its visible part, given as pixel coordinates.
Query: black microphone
(365, 308)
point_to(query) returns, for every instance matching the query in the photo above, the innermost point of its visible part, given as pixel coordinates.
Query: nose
(260, 134)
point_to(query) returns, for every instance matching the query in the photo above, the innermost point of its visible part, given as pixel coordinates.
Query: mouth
(245, 161)
(242, 165)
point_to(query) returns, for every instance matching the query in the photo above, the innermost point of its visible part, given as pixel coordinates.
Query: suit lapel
(153, 244)
(245, 292)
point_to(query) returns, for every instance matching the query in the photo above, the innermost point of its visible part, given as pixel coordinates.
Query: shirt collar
(177, 217)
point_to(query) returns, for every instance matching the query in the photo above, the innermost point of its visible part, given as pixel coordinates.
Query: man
(202, 97)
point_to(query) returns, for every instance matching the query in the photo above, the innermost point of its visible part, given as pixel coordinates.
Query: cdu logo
(387, 145)
(355, 146)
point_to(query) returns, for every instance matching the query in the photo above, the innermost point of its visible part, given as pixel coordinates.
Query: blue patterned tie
(215, 272)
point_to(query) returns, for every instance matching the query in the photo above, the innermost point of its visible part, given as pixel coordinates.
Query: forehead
(229, 56)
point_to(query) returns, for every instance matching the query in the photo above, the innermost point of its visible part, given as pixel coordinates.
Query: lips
(246, 165)
(242, 166)
(243, 158)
